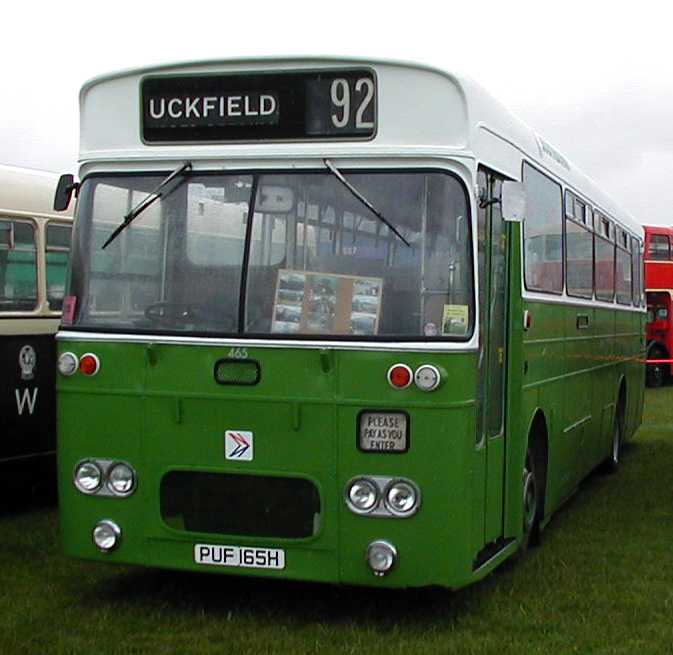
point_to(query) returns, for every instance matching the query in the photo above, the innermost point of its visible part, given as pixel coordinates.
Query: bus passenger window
(624, 282)
(18, 266)
(543, 234)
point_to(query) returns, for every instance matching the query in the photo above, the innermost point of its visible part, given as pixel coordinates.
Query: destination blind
(274, 106)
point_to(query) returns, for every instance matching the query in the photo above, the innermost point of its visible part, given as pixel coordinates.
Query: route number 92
(352, 103)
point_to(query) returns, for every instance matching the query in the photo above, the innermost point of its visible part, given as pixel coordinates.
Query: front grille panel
(245, 372)
(246, 505)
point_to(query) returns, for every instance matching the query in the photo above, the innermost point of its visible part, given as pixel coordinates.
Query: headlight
(88, 477)
(402, 498)
(106, 535)
(362, 495)
(121, 479)
(381, 557)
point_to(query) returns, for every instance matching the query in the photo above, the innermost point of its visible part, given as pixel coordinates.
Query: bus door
(493, 356)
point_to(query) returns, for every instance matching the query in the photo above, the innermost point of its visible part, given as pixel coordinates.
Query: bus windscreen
(278, 255)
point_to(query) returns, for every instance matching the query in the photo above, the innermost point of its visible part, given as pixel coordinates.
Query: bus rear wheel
(612, 462)
(655, 375)
(531, 501)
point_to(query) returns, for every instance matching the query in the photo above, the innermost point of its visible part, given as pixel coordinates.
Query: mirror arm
(485, 203)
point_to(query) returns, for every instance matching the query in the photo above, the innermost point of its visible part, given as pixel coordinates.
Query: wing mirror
(513, 199)
(64, 190)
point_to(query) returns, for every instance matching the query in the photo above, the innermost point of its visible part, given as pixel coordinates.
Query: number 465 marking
(238, 353)
(340, 93)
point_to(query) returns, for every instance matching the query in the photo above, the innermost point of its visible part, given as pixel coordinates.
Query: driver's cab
(658, 313)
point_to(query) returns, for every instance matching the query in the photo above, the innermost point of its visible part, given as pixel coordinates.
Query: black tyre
(655, 374)
(531, 501)
(612, 462)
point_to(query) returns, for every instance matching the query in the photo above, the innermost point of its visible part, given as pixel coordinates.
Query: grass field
(602, 582)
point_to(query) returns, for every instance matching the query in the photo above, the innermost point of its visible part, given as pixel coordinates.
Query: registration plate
(239, 556)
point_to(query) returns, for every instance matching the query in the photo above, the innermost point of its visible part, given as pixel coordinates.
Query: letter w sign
(25, 399)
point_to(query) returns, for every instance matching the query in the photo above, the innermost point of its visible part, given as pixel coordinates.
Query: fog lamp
(106, 535)
(121, 479)
(381, 557)
(362, 495)
(88, 477)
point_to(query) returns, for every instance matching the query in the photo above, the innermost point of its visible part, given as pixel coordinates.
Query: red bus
(659, 291)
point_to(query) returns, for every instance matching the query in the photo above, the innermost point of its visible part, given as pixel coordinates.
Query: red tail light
(400, 376)
(89, 364)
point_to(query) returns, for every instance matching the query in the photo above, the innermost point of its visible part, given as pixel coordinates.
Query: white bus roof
(422, 111)
(29, 192)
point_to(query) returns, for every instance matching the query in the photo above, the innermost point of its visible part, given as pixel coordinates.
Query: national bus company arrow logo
(238, 445)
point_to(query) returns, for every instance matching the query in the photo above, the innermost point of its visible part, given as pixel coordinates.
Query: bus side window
(18, 267)
(56, 263)
(543, 230)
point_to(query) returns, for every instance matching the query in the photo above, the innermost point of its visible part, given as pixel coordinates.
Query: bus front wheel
(655, 375)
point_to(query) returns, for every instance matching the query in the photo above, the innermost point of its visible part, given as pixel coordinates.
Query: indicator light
(427, 377)
(400, 376)
(67, 364)
(89, 364)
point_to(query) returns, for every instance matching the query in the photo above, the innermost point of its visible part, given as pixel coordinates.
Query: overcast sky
(593, 79)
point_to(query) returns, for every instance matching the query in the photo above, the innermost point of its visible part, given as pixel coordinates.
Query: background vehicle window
(542, 232)
(217, 214)
(18, 266)
(56, 259)
(659, 247)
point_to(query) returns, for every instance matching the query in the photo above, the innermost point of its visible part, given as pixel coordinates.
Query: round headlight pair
(119, 478)
(400, 497)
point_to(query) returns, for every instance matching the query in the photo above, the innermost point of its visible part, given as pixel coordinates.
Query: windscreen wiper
(146, 202)
(335, 171)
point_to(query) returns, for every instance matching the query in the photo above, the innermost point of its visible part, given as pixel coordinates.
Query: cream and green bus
(34, 247)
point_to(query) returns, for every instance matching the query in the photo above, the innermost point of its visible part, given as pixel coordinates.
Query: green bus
(334, 320)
